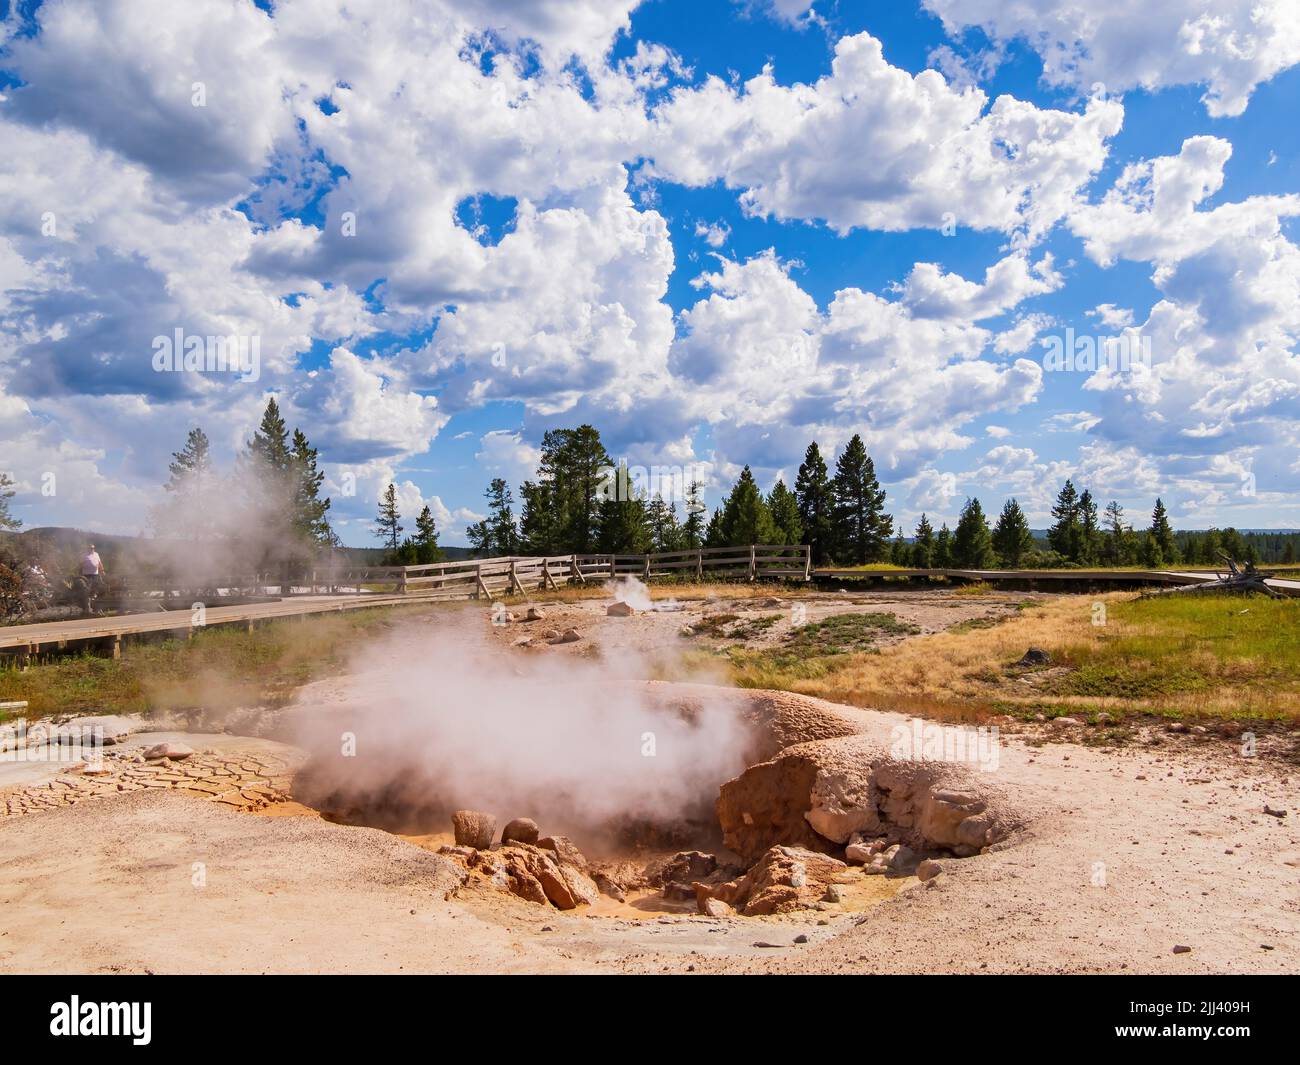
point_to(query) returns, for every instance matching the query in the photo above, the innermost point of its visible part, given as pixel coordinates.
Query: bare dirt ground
(1127, 852)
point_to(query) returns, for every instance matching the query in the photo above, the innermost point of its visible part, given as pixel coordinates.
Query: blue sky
(716, 230)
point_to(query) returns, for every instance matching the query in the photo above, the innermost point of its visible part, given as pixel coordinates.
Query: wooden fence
(490, 577)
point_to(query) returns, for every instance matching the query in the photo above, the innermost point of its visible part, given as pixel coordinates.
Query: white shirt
(90, 565)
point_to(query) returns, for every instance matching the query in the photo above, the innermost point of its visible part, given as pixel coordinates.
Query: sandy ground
(1128, 852)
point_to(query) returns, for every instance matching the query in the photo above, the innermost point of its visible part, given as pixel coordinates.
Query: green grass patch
(845, 633)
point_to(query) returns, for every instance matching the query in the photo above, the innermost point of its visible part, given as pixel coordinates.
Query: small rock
(473, 828)
(676, 891)
(1177, 726)
(1180, 949)
(619, 610)
(175, 751)
(1035, 656)
(535, 613)
(801, 938)
(715, 908)
(928, 870)
(1066, 721)
(568, 636)
(765, 943)
(1273, 813)
(835, 893)
(520, 830)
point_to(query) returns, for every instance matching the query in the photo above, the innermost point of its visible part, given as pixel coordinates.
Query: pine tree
(1164, 534)
(1089, 530)
(502, 536)
(7, 520)
(784, 507)
(1151, 555)
(745, 517)
(1116, 549)
(1065, 536)
(661, 518)
(943, 548)
(972, 546)
(425, 541)
(923, 544)
(1012, 539)
(480, 538)
(266, 473)
(812, 490)
(693, 526)
(388, 525)
(308, 521)
(187, 512)
(622, 521)
(1288, 553)
(713, 534)
(899, 553)
(862, 527)
(540, 525)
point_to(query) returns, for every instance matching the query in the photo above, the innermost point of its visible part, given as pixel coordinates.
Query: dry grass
(1181, 656)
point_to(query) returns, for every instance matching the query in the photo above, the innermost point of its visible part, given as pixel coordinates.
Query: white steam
(635, 594)
(443, 721)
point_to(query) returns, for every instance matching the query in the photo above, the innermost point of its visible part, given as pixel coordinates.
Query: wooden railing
(489, 577)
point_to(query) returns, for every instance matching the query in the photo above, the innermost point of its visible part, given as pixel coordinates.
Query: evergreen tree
(713, 534)
(308, 521)
(972, 546)
(188, 512)
(923, 544)
(784, 507)
(1164, 534)
(1012, 539)
(1065, 536)
(943, 548)
(693, 526)
(1116, 550)
(502, 536)
(388, 524)
(1089, 530)
(812, 490)
(426, 538)
(862, 527)
(745, 517)
(540, 522)
(1233, 544)
(479, 536)
(7, 520)
(1209, 548)
(562, 507)
(665, 533)
(1288, 553)
(622, 522)
(899, 553)
(1151, 556)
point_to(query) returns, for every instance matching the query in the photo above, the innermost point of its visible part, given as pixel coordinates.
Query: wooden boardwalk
(490, 578)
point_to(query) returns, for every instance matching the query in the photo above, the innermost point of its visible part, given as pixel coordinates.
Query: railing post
(807, 562)
(753, 565)
(613, 567)
(699, 564)
(645, 574)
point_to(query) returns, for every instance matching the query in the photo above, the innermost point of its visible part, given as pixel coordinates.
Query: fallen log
(1240, 580)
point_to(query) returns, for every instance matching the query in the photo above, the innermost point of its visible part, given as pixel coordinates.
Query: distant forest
(569, 506)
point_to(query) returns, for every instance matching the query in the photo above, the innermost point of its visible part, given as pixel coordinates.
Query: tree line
(568, 506)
